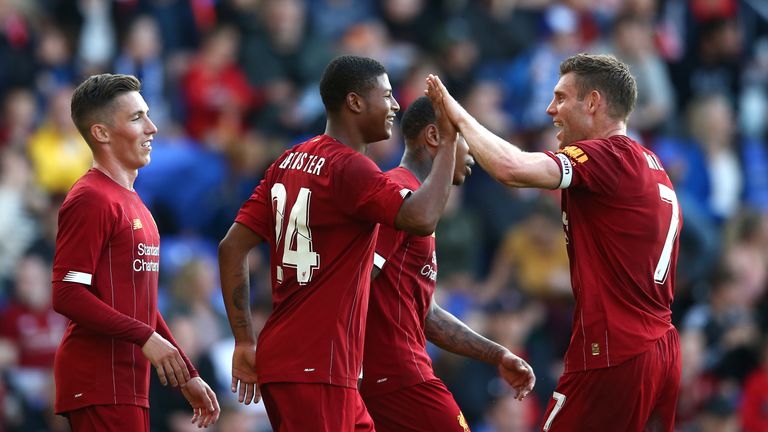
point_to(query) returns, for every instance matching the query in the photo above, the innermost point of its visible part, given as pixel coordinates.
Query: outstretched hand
(203, 400)
(445, 127)
(518, 374)
(244, 378)
(166, 359)
(438, 94)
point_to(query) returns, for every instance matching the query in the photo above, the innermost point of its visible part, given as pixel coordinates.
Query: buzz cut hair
(606, 74)
(348, 74)
(419, 115)
(95, 95)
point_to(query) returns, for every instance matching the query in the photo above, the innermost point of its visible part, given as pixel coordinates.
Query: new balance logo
(137, 224)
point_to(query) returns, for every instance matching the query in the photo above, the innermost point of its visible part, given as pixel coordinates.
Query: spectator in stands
(58, 153)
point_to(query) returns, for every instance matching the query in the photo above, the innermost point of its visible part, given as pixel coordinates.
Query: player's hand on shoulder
(203, 400)
(166, 359)
(244, 379)
(518, 374)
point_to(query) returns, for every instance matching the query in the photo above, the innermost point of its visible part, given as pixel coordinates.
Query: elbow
(59, 302)
(509, 173)
(228, 247)
(424, 226)
(426, 229)
(421, 226)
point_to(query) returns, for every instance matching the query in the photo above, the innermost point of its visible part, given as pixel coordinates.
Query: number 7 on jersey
(662, 267)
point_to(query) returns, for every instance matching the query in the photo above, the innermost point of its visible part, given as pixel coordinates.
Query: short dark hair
(418, 115)
(606, 74)
(346, 74)
(95, 94)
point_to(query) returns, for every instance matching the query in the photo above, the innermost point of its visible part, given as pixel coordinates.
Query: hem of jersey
(265, 378)
(373, 390)
(618, 360)
(63, 408)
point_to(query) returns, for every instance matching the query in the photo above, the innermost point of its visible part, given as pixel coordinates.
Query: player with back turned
(318, 207)
(621, 220)
(105, 274)
(399, 386)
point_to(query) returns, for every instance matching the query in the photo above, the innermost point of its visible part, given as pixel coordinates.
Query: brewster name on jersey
(304, 162)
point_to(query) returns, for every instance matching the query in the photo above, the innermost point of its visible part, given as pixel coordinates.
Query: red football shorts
(109, 418)
(639, 394)
(424, 407)
(306, 407)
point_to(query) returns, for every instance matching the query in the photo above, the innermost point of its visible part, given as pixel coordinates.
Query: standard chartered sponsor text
(140, 264)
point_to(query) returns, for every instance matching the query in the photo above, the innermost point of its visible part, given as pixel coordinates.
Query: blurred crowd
(233, 83)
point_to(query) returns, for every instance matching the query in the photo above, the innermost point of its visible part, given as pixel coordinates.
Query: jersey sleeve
(363, 191)
(165, 332)
(387, 242)
(591, 165)
(85, 225)
(256, 212)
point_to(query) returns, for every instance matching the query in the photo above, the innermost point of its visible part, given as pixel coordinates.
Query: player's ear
(593, 101)
(99, 133)
(354, 102)
(431, 135)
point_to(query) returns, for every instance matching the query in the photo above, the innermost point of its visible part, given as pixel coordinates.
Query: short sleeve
(364, 192)
(86, 222)
(591, 165)
(256, 212)
(388, 241)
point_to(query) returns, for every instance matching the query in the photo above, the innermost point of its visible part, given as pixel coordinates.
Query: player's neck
(348, 136)
(610, 129)
(418, 163)
(118, 174)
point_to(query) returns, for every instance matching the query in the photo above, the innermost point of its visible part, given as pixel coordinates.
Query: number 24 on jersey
(297, 247)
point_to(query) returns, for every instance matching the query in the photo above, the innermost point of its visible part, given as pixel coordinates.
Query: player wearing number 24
(318, 207)
(621, 219)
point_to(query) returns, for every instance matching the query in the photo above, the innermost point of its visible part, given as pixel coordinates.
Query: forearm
(497, 157)
(163, 330)
(82, 307)
(420, 213)
(235, 288)
(450, 334)
(504, 161)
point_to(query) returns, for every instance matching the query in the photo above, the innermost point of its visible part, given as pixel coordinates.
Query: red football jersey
(396, 348)
(36, 333)
(621, 219)
(105, 274)
(318, 206)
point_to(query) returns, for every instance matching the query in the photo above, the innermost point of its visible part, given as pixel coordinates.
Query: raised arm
(236, 290)
(450, 334)
(505, 162)
(421, 211)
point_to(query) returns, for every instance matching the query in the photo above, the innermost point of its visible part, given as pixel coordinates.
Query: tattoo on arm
(241, 302)
(240, 297)
(450, 334)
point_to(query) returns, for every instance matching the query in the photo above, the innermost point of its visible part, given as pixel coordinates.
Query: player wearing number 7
(621, 220)
(318, 207)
